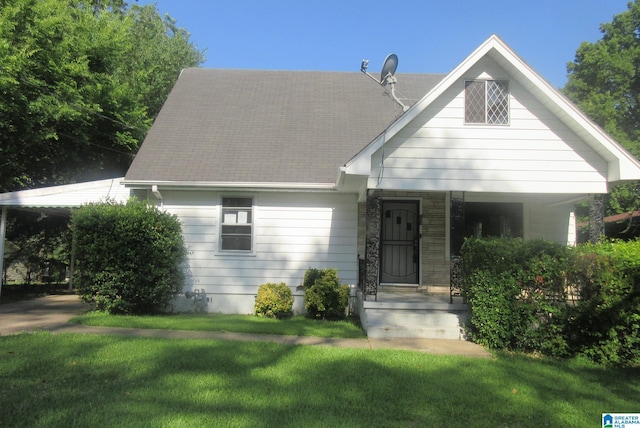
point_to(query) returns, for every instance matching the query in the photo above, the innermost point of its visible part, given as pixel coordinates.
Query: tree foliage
(80, 84)
(604, 81)
(41, 243)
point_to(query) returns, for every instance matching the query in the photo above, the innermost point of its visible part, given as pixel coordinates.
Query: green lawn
(296, 326)
(69, 380)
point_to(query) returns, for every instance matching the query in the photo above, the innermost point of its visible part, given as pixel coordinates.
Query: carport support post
(3, 226)
(72, 262)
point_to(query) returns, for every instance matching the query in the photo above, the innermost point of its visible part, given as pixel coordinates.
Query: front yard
(84, 380)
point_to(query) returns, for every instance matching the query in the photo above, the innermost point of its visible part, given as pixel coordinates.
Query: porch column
(456, 239)
(457, 222)
(596, 218)
(372, 246)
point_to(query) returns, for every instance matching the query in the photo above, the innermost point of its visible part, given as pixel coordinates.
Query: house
(273, 172)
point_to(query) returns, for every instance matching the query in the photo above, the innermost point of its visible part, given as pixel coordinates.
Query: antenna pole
(374, 79)
(391, 80)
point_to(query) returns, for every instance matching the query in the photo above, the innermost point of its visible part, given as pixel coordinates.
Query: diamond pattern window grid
(487, 102)
(474, 111)
(497, 102)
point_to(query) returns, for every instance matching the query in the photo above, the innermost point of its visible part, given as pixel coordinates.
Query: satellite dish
(386, 76)
(389, 67)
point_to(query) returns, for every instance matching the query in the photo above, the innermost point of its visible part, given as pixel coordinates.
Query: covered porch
(409, 267)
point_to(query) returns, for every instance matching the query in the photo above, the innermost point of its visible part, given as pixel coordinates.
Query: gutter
(209, 185)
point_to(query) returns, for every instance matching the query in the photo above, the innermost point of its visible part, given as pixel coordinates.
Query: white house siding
(292, 232)
(535, 153)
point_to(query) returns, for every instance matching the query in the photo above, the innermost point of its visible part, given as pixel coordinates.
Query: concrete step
(416, 318)
(401, 313)
(415, 332)
(416, 323)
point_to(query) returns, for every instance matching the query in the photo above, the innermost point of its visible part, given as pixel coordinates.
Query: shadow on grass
(296, 326)
(75, 380)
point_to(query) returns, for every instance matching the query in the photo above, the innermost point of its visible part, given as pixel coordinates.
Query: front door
(399, 247)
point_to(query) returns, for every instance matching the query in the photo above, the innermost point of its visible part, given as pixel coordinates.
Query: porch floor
(413, 298)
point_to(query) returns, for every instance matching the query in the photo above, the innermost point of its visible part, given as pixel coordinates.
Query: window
(486, 101)
(236, 233)
(487, 219)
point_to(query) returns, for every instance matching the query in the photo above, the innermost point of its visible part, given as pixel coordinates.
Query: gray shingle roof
(255, 126)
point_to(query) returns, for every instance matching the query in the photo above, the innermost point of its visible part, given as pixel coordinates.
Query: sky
(427, 36)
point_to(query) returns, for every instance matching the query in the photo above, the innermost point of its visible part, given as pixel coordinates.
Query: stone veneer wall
(435, 269)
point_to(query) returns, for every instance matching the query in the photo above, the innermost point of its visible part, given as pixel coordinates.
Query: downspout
(3, 225)
(157, 194)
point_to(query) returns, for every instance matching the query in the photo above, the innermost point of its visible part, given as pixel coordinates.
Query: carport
(60, 199)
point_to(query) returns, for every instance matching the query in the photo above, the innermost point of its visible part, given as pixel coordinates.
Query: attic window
(486, 102)
(237, 224)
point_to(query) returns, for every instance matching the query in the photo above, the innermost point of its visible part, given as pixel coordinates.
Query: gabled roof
(621, 164)
(67, 196)
(234, 127)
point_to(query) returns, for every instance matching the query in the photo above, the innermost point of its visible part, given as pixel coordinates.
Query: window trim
(251, 224)
(486, 102)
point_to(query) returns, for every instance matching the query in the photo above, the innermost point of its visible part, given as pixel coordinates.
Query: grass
(95, 380)
(296, 326)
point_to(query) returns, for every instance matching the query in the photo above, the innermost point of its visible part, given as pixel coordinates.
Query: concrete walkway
(52, 313)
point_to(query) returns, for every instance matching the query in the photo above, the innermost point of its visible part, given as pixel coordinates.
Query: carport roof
(67, 196)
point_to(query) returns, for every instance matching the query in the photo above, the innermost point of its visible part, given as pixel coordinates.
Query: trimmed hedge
(128, 257)
(516, 292)
(274, 301)
(539, 296)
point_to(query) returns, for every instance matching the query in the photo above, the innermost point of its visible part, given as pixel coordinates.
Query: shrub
(311, 276)
(605, 326)
(128, 256)
(516, 290)
(325, 298)
(519, 297)
(274, 301)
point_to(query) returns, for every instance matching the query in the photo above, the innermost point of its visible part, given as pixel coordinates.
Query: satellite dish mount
(387, 76)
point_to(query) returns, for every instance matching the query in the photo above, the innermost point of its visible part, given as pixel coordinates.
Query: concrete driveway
(44, 312)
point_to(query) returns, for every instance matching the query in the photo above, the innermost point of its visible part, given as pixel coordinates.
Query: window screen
(237, 224)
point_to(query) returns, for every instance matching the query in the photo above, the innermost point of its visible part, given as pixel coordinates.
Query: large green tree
(80, 84)
(604, 81)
